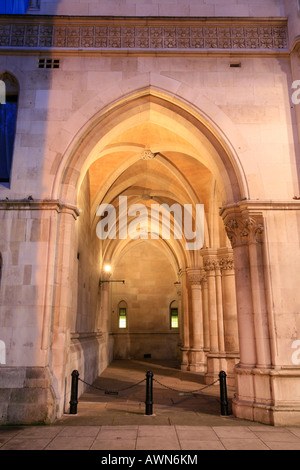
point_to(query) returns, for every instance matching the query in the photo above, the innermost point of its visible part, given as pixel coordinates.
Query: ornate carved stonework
(210, 264)
(166, 34)
(242, 231)
(147, 155)
(195, 277)
(226, 264)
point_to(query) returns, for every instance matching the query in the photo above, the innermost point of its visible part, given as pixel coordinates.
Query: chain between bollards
(74, 392)
(223, 394)
(149, 393)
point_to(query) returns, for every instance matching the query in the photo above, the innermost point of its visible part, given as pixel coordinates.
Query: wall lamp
(107, 269)
(110, 280)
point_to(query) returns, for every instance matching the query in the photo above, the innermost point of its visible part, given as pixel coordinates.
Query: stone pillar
(205, 314)
(198, 362)
(221, 339)
(254, 391)
(229, 305)
(209, 267)
(239, 238)
(216, 357)
(185, 321)
(62, 303)
(30, 315)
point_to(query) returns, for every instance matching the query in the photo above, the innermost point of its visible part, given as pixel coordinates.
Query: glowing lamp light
(107, 268)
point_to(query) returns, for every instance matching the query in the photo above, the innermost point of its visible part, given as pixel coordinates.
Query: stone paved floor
(181, 420)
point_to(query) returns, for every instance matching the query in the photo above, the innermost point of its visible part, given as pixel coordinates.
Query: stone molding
(166, 34)
(42, 205)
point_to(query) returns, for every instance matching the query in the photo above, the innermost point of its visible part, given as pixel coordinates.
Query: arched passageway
(144, 153)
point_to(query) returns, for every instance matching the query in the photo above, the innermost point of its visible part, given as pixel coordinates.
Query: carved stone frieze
(166, 34)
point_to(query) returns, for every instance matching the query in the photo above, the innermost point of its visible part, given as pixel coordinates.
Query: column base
(267, 396)
(194, 360)
(221, 361)
(26, 396)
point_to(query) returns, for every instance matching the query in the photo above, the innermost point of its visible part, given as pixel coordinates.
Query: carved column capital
(244, 230)
(226, 264)
(195, 277)
(210, 264)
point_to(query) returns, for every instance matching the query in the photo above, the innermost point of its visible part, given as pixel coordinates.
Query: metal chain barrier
(149, 391)
(113, 392)
(187, 391)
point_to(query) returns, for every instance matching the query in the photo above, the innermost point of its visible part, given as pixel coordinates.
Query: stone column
(221, 341)
(261, 324)
(209, 267)
(185, 321)
(62, 306)
(205, 314)
(239, 237)
(253, 379)
(229, 305)
(197, 357)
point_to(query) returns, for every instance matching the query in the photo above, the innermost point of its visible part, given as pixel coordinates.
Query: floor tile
(244, 444)
(110, 433)
(276, 436)
(156, 443)
(199, 433)
(114, 444)
(80, 431)
(201, 445)
(238, 432)
(71, 443)
(157, 431)
(26, 444)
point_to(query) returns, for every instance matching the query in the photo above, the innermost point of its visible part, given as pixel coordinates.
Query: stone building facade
(190, 103)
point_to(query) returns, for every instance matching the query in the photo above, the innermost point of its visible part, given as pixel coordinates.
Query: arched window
(174, 323)
(14, 7)
(8, 120)
(122, 312)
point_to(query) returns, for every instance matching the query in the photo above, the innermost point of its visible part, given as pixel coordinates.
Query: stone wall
(148, 292)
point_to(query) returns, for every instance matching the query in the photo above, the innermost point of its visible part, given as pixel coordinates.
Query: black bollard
(149, 393)
(223, 394)
(74, 393)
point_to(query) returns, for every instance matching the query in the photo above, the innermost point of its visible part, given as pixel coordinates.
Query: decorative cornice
(37, 32)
